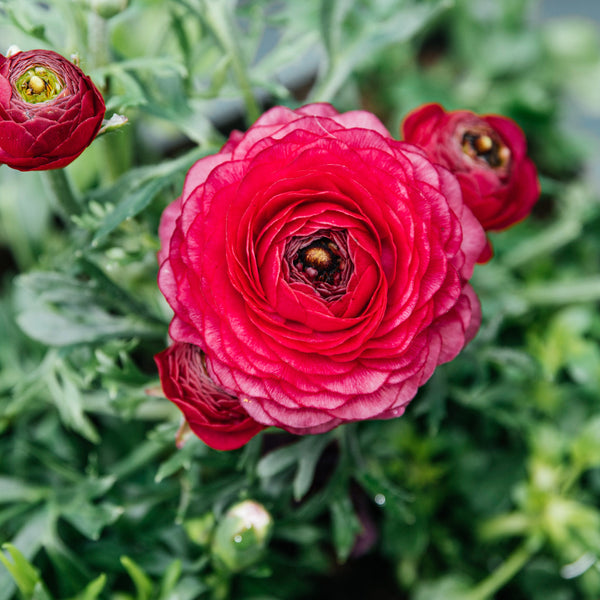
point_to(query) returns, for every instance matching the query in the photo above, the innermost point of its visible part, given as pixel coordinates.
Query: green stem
(564, 292)
(62, 191)
(506, 571)
(98, 40)
(219, 19)
(544, 243)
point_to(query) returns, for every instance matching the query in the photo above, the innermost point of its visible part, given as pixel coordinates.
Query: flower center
(320, 260)
(486, 146)
(39, 84)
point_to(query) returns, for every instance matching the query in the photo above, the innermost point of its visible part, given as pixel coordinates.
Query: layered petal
(321, 266)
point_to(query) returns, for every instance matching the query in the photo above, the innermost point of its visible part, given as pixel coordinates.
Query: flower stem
(62, 191)
(219, 19)
(567, 292)
(506, 571)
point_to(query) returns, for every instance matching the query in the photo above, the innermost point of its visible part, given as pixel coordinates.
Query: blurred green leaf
(451, 587)
(93, 590)
(22, 571)
(59, 310)
(17, 490)
(374, 35)
(143, 584)
(345, 526)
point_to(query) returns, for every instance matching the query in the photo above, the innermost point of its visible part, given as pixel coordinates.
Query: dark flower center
(320, 260)
(39, 84)
(486, 146)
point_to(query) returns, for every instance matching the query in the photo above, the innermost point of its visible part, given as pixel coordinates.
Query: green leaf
(17, 490)
(278, 461)
(30, 539)
(142, 582)
(304, 453)
(451, 587)
(169, 580)
(92, 590)
(136, 201)
(374, 36)
(68, 400)
(180, 459)
(385, 493)
(137, 188)
(90, 519)
(59, 310)
(345, 525)
(307, 464)
(23, 572)
(586, 446)
(333, 13)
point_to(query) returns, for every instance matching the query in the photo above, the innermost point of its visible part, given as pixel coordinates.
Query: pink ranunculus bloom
(322, 267)
(488, 155)
(50, 111)
(212, 414)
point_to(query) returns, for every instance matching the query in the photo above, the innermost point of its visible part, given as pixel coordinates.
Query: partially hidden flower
(321, 266)
(488, 155)
(50, 111)
(212, 414)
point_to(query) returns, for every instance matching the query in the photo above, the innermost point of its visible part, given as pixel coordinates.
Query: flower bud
(108, 8)
(50, 111)
(242, 535)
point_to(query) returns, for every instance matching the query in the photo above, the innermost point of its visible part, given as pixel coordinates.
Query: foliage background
(488, 487)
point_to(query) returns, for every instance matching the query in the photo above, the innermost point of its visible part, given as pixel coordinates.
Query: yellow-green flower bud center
(39, 84)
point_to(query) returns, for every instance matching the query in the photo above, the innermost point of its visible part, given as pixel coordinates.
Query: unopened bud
(108, 8)
(242, 535)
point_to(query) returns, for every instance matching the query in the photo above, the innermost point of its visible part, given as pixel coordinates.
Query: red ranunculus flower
(488, 155)
(215, 416)
(321, 266)
(49, 110)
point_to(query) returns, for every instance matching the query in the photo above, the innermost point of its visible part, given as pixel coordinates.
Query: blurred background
(488, 487)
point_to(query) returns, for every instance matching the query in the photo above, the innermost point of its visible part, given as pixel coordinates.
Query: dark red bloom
(215, 416)
(50, 111)
(488, 156)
